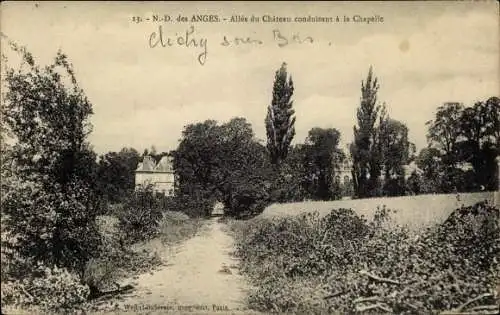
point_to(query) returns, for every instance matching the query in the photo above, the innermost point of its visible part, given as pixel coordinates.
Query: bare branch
(366, 273)
(374, 306)
(477, 298)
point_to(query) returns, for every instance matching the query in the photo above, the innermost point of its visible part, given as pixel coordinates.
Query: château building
(342, 173)
(160, 176)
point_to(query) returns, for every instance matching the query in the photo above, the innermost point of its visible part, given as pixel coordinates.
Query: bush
(50, 289)
(355, 265)
(48, 224)
(192, 205)
(471, 233)
(287, 182)
(47, 166)
(140, 215)
(394, 187)
(100, 275)
(246, 196)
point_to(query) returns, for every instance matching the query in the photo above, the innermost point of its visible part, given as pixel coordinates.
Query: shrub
(140, 215)
(100, 275)
(359, 265)
(50, 225)
(49, 289)
(192, 205)
(246, 196)
(472, 233)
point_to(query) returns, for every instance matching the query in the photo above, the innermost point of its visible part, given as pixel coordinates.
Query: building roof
(410, 168)
(148, 164)
(165, 165)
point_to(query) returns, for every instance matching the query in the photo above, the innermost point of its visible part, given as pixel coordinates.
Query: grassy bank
(126, 260)
(56, 291)
(343, 263)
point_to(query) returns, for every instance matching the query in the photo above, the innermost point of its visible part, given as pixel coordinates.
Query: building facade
(342, 173)
(160, 176)
(342, 176)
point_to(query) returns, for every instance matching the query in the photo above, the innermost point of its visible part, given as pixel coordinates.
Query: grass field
(414, 211)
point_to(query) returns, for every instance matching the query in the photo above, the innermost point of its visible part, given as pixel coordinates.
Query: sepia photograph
(250, 157)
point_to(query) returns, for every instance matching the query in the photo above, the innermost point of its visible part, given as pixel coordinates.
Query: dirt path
(201, 277)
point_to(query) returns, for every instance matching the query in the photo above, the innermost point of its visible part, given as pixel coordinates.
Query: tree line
(278, 171)
(225, 162)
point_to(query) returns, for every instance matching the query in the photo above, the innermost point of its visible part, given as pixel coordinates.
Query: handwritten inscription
(240, 41)
(189, 39)
(283, 40)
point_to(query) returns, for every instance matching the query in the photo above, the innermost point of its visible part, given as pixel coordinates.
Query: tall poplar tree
(365, 150)
(280, 118)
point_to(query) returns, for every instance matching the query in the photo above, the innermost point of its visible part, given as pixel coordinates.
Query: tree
(365, 150)
(444, 134)
(445, 130)
(430, 162)
(491, 112)
(396, 152)
(221, 162)
(479, 143)
(280, 120)
(152, 151)
(467, 135)
(116, 174)
(291, 185)
(194, 160)
(49, 205)
(321, 157)
(395, 147)
(414, 183)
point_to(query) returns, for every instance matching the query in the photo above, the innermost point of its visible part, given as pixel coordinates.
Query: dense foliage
(116, 174)
(48, 200)
(222, 162)
(46, 289)
(321, 156)
(140, 214)
(54, 255)
(49, 203)
(280, 120)
(344, 263)
(460, 135)
(365, 150)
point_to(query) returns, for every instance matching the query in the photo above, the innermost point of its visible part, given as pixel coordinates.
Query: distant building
(342, 173)
(160, 176)
(412, 168)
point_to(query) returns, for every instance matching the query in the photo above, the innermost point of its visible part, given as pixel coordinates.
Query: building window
(346, 180)
(337, 179)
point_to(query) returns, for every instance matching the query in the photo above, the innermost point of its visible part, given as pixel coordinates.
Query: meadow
(414, 211)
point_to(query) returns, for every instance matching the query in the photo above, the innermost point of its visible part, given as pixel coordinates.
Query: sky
(423, 54)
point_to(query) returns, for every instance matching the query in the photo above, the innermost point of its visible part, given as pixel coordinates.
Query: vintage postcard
(250, 157)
